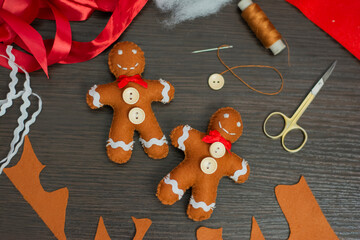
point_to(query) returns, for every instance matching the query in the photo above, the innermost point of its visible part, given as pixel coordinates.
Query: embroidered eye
(226, 115)
(134, 51)
(120, 52)
(238, 124)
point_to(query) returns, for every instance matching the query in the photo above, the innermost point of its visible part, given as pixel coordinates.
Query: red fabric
(16, 16)
(339, 18)
(124, 80)
(30, 37)
(215, 136)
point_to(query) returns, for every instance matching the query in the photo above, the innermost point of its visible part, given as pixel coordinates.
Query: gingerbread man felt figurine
(208, 158)
(131, 96)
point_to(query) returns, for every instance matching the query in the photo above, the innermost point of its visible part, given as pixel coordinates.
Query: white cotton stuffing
(182, 10)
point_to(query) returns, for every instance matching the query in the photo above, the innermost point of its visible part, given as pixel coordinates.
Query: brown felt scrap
(303, 213)
(256, 233)
(50, 206)
(101, 232)
(141, 225)
(204, 233)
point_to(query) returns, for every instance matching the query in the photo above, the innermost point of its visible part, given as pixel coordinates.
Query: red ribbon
(215, 136)
(124, 80)
(16, 16)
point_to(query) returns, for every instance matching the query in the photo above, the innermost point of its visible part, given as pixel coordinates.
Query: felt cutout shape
(131, 96)
(101, 232)
(256, 233)
(50, 206)
(204, 233)
(204, 165)
(301, 210)
(141, 225)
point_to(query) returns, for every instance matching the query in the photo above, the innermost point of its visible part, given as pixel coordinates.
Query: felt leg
(202, 202)
(173, 186)
(120, 144)
(152, 138)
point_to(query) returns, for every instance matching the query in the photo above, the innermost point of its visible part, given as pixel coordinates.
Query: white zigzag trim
(241, 172)
(202, 205)
(23, 127)
(123, 145)
(96, 96)
(183, 138)
(174, 185)
(165, 91)
(148, 144)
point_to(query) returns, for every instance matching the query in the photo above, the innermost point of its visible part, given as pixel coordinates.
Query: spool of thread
(261, 26)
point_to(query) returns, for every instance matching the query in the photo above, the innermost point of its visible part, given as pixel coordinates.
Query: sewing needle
(211, 49)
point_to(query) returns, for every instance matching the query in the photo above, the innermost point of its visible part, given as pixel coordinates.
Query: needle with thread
(211, 49)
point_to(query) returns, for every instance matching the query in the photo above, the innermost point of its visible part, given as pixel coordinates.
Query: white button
(136, 115)
(208, 165)
(216, 81)
(131, 95)
(217, 150)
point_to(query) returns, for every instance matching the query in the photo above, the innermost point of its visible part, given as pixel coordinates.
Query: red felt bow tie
(124, 80)
(215, 136)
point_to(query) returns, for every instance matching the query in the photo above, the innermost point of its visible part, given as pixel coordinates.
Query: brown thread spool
(261, 26)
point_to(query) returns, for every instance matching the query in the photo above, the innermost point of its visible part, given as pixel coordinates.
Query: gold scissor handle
(291, 128)
(287, 122)
(290, 124)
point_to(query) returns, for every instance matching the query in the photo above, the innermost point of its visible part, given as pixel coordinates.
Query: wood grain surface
(69, 138)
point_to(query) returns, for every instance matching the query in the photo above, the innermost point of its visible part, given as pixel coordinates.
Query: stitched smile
(125, 68)
(226, 130)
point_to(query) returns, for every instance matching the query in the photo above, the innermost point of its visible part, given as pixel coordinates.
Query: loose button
(131, 95)
(216, 81)
(208, 165)
(217, 150)
(136, 115)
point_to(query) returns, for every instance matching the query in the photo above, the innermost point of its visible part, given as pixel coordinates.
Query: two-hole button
(208, 165)
(136, 115)
(131, 95)
(217, 150)
(216, 81)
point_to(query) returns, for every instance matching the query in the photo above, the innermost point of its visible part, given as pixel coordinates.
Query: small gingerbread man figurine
(208, 158)
(131, 96)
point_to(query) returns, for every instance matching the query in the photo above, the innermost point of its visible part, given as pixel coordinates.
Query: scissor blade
(323, 79)
(329, 71)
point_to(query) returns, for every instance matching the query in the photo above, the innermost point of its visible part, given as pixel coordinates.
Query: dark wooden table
(69, 137)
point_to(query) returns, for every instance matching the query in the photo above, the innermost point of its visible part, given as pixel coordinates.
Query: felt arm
(238, 169)
(184, 136)
(161, 90)
(173, 186)
(100, 95)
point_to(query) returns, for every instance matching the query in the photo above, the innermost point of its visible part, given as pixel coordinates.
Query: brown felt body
(189, 174)
(122, 129)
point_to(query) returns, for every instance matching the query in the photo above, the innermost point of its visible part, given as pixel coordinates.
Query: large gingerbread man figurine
(208, 158)
(131, 96)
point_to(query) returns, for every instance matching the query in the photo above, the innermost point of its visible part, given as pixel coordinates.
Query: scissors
(291, 123)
